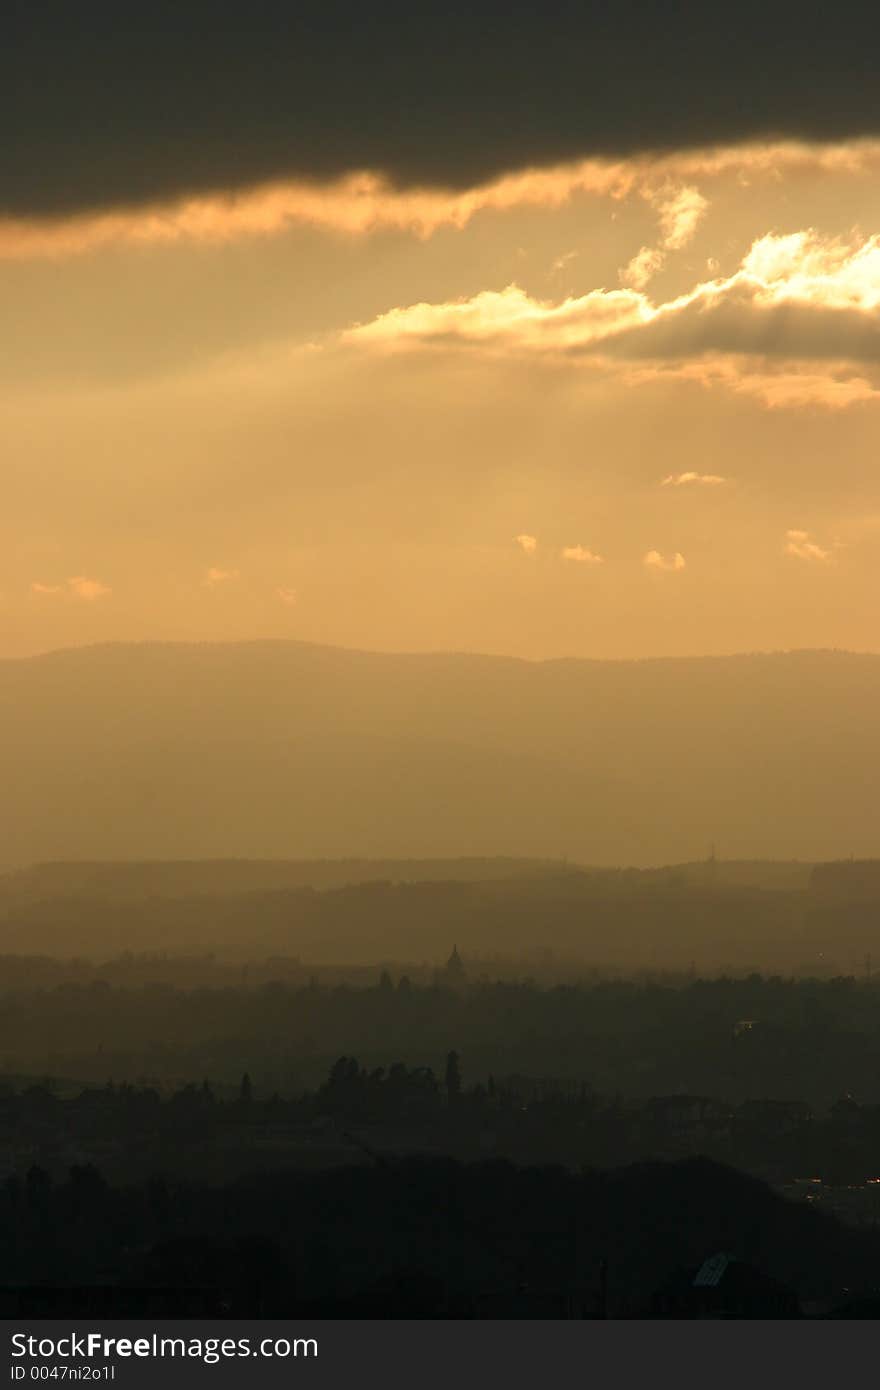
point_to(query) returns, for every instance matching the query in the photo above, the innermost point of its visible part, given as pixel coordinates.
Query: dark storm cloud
(121, 101)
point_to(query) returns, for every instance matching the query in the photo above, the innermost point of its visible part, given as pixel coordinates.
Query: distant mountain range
(290, 750)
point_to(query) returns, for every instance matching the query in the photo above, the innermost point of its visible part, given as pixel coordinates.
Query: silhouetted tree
(87, 1186)
(39, 1187)
(453, 1078)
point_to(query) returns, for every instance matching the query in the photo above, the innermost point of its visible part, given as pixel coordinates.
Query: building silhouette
(454, 973)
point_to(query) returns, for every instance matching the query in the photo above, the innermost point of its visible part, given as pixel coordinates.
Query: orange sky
(611, 408)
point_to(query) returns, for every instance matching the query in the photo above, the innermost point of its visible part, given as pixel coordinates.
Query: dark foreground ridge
(426, 1238)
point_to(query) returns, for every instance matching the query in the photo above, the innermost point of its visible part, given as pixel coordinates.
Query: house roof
(726, 1273)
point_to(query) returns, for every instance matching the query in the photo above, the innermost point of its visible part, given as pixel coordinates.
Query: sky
(549, 331)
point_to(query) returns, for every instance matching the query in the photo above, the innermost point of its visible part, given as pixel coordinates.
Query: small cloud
(77, 587)
(286, 595)
(642, 268)
(87, 589)
(655, 561)
(562, 261)
(799, 544)
(527, 543)
(681, 210)
(581, 556)
(215, 576)
(683, 479)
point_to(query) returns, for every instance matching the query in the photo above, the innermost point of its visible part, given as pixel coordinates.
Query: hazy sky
(583, 384)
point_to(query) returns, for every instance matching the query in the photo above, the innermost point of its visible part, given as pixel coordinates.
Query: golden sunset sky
(622, 403)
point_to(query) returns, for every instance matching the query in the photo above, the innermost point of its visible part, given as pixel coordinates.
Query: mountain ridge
(298, 750)
(302, 645)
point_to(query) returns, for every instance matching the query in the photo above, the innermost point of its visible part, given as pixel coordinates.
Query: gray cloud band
(111, 105)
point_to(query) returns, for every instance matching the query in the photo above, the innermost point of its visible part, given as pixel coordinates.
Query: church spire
(455, 971)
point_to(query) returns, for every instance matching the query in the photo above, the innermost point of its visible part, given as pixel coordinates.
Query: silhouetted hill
(625, 918)
(282, 749)
(538, 881)
(125, 881)
(849, 880)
